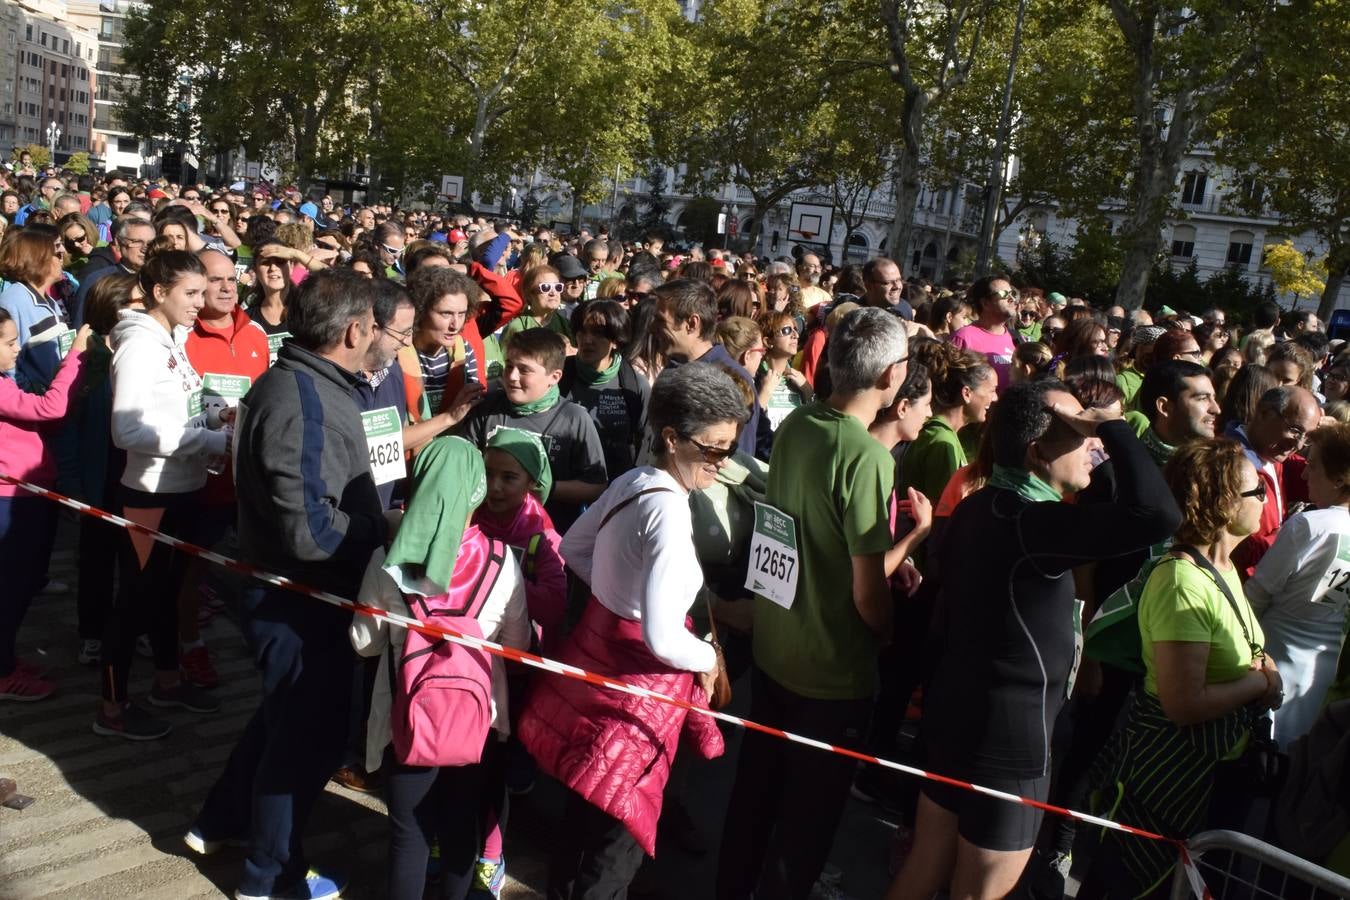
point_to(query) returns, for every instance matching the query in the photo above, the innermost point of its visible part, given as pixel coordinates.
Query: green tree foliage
(1289, 130)
(78, 164)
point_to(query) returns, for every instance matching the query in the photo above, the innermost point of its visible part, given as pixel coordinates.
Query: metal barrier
(1237, 866)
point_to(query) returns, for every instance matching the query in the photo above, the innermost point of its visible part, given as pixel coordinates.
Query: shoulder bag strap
(627, 500)
(1199, 559)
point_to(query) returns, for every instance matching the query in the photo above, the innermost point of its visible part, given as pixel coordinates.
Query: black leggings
(436, 804)
(147, 596)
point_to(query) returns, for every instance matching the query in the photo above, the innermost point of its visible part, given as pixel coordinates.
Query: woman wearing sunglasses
(542, 291)
(781, 387)
(635, 548)
(1206, 677)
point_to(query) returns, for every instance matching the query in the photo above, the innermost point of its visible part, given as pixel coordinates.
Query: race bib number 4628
(774, 564)
(384, 436)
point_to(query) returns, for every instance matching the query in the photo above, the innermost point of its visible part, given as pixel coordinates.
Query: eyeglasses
(220, 210)
(711, 455)
(787, 330)
(756, 350)
(1298, 432)
(549, 287)
(1259, 492)
(131, 242)
(403, 336)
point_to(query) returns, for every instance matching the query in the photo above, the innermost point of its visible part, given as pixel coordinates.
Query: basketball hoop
(807, 235)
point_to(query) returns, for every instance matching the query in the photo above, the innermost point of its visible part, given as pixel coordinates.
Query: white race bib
(1334, 589)
(774, 565)
(384, 436)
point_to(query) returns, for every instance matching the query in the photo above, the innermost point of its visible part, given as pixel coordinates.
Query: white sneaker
(91, 651)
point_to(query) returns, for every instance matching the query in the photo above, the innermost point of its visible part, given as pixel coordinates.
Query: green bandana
(1160, 450)
(548, 401)
(1024, 484)
(528, 450)
(447, 484)
(591, 376)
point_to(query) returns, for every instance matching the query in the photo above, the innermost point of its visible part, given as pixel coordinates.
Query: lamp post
(53, 135)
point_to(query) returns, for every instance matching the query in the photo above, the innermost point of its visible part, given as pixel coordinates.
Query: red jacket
(542, 564)
(240, 349)
(504, 306)
(612, 748)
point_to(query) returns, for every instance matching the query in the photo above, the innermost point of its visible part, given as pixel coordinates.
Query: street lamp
(53, 135)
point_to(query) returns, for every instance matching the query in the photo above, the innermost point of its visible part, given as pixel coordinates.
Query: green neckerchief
(548, 401)
(1023, 483)
(592, 376)
(1160, 450)
(448, 483)
(528, 450)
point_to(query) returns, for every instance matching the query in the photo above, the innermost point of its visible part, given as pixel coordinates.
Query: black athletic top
(1007, 640)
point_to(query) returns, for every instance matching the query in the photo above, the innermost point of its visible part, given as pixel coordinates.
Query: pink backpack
(442, 707)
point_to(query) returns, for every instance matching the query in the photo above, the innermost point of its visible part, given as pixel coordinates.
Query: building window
(43, 42)
(1193, 187)
(28, 33)
(1240, 248)
(65, 47)
(1183, 242)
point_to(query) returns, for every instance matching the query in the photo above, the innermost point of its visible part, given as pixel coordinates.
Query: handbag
(721, 692)
(1262, 762)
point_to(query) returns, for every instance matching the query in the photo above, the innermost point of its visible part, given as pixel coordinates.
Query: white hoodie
(156, 408)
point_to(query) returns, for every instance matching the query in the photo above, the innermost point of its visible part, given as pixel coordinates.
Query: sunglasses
(220, 210)
(1006, 293)
(639, 296)
(711, 455)
(392, 251)
(789, 330)
(1259, 492)
(549, 287)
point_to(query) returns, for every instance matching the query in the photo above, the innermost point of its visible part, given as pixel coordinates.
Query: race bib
(774, 565)
(194, 401)
(274, 342)
(434, 397)
(384, 436)
(230, 388)
(1334, 589)
(64, 342)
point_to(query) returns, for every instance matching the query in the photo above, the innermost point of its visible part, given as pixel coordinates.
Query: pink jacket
(612, 748)
(24, 417)
(546, 585)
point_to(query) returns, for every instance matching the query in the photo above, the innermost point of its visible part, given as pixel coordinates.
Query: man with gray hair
(308, 510)
(822, 618)
(131, 238)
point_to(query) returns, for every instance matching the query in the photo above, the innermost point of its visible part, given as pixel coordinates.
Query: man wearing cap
(575, 277)
(1057, 301)
(1131, 376)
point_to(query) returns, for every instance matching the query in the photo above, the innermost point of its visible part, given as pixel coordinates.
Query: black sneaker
(134, 724)
(183, 696)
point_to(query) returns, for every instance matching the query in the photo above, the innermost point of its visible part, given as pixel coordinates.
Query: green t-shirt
(557, 324)
(931, 460)
(1031, 333)
(1129, 382)
(1181, 602)
(835, 481)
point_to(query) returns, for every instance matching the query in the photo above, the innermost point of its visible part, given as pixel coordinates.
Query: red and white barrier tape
(559, 668)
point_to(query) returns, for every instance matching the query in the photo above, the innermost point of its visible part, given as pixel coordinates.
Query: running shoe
(25, 687)
(183, 696)
(91, 652)
(315, 887)
(489, 877)
(30, 668)
(197, 667)
(199, 844)
(134, 724)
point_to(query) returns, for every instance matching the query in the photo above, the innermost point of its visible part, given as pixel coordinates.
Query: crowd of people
(1097, 558)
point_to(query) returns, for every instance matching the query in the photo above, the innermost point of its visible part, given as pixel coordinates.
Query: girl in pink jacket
(27, 522)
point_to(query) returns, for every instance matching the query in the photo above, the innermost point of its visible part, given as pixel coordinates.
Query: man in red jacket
(229, 351)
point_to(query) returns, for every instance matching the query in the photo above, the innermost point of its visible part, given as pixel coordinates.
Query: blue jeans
(27, 529)
(295, 740)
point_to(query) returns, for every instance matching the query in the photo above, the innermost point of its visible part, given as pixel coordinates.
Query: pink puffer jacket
(612, 748)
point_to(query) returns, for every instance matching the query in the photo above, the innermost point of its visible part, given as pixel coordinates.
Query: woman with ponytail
(158, 419)
(964, 387)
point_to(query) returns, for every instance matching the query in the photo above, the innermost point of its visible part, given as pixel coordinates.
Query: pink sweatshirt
(546, 586)
(24, 418)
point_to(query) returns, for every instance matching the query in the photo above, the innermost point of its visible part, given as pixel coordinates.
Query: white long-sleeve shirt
(642, 566)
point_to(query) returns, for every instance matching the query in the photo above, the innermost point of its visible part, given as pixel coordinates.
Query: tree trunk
(906, 181)
(1330, 294)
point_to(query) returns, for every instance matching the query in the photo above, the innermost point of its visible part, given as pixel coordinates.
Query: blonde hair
(1257, 347)
(737, 334)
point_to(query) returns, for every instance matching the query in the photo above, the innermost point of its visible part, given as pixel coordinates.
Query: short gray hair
(863, 346)
(778, 267)
(691, 398)
(122, 224)
(326, 304)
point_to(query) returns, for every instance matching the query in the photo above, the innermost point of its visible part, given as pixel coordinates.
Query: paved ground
(109, 814)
